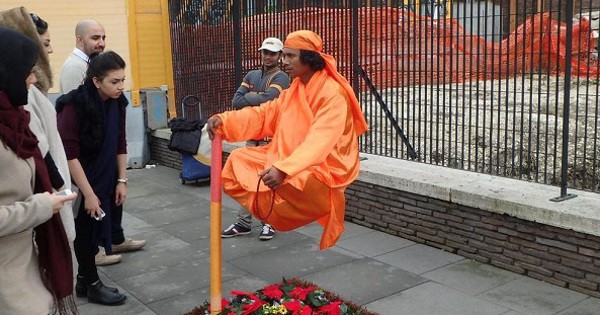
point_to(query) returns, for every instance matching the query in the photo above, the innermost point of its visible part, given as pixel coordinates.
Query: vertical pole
(355, 63)
(133, 53)
(215, 224)
(206, 9)
(237, 40)
(566, 104)
(513, 15)
(169, 76)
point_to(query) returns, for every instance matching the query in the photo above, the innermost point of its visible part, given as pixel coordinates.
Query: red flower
(224, 303)
(254, 305)
(293, 306)
(301, 293)
(297, 300)
(306, 310)
(273, 292)
(236, 292)
(332, 308)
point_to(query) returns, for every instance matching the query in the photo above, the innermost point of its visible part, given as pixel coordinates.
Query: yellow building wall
(137, 30)
(63, 15)
(150, 45)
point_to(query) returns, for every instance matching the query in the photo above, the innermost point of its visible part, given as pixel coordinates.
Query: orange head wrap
(304, 40)
(309, 40)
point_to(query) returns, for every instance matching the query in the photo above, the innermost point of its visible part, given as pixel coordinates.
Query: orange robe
(314, 142)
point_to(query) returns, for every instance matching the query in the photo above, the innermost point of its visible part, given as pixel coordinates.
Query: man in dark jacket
(259, 86)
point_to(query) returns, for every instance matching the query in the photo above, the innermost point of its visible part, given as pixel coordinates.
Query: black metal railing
(508, 88)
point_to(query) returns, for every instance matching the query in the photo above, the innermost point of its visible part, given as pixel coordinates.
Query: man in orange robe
(313, 154)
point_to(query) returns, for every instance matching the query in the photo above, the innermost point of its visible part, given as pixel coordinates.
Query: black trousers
(116, 218)
(84, 251)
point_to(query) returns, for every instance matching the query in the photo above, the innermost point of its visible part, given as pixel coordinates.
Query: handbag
(185, 135)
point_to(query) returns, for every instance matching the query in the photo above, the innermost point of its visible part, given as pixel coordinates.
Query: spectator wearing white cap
(266, 83)
(259, 86)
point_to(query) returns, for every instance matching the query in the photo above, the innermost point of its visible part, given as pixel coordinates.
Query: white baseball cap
(272, 44)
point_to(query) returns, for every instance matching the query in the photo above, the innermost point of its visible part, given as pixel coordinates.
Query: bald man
(89, 38)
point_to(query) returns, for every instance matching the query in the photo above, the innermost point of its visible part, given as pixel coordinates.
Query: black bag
(185, 135)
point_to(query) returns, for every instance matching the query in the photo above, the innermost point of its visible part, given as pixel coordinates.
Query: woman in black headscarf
(42, 112)
(30, 283)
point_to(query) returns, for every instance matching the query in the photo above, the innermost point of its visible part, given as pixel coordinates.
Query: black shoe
(81, 287)
(266, 233)
(235, 230)
(99, 294)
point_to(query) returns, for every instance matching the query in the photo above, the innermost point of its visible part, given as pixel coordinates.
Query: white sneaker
(266, 233)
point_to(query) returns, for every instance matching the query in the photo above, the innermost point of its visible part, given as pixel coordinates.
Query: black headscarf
(19, 55)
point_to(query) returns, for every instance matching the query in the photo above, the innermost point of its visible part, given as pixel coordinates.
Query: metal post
(215, 224)
(566, 106)
(237, 40)
(355, 63)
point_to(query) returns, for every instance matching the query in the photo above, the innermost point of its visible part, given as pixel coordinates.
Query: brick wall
(160, 154)
(558, 256)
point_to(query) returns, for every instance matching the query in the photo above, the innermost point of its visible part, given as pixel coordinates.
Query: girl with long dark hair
(91, 122)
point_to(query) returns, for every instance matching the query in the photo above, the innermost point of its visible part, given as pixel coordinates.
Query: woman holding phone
(36, 274)
(91, 122)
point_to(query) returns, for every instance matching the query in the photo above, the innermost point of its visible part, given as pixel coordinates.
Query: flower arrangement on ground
(291, 297)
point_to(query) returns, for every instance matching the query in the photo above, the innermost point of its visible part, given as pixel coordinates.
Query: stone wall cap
(522, 199)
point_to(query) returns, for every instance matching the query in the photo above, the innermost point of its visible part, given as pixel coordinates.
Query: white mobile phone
(64, 192)
(102, 214)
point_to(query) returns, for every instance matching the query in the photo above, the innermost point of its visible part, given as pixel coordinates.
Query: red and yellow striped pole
(215, 224)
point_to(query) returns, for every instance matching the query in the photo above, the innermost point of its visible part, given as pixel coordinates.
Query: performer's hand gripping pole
(215, 224)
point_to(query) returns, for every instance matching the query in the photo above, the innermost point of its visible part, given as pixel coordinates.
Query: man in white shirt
(90, 38)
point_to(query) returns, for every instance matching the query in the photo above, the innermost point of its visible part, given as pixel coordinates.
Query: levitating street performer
(301, 175)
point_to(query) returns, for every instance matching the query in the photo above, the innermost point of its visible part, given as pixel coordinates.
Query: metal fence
(508, 88)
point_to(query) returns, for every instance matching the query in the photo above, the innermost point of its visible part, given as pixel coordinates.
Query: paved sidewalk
(384, 273)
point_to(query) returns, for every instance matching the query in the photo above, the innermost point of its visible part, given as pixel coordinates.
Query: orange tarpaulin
(396, 47)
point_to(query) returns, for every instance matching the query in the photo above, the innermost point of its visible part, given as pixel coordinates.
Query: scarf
(54, 252)
(18, 19)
